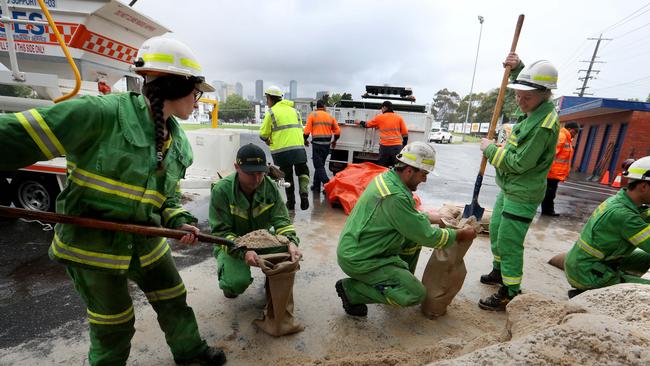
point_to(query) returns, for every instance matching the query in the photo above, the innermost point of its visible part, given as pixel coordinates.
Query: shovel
(108, 225)
(474, 209)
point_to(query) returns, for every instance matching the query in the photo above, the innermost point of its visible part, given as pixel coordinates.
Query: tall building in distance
(259, 90)
(321, 94)
(218, 85)
(239, 89)
(293, 89)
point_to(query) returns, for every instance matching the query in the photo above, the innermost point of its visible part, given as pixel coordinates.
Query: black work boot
(304, 200)
(230, 295)
(291, 205)
(497, 301)
(350, 309)
(492, 278)
(574, 292)
(212, 356)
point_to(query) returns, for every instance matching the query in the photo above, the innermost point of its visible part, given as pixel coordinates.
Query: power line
(633, 30)
(626, 19)
(624, 83)
(590, 69)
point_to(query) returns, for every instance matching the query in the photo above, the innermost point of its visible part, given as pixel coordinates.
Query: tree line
(449, 107)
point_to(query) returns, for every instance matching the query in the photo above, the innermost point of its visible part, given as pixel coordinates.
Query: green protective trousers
(392, 284)
(111, 315)
(410, 254)
(233, 273)
(508, 227)
(628, 269)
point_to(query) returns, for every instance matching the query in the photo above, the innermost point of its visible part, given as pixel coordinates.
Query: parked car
(440, 135)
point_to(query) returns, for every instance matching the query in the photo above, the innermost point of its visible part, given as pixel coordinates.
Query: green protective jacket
(382, 222)
(522, 164)
(283, 126)
(614, 230)
(109, 144)
(231, 214)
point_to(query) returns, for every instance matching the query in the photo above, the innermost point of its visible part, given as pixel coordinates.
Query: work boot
(574, 292)
(552, 214)
(492, 278)
(350, 309)
(229, 294)
(497, 301)
(304, 200)
(315, 188)
(291, 205)
(212, 356)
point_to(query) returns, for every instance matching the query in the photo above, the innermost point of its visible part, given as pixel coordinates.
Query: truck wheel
(35, 192)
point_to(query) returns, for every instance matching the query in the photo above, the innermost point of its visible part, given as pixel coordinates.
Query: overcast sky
(341, 46)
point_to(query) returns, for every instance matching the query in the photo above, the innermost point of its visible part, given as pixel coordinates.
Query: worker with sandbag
(614, 245)
(522, 166)
(246, 207)
(125, 154)
(377, 247)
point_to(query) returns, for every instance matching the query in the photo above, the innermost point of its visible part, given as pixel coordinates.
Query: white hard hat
(418, 154)
(274, 91)
(639, 170)
(540, 75)
(160, 55)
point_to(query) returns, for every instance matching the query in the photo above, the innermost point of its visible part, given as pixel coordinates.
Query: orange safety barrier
(617, 181)
(605, 178)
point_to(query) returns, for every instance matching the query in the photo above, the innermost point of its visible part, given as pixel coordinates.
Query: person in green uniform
(377, 247)
(125, 154)
(614, 245)
(245, 201)
(282, 131)
(521, 165)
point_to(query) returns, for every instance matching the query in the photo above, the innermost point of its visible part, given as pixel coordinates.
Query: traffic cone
(617, 181)
(605, 178)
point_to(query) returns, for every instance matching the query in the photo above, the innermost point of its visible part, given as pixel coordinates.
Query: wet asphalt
(36, 295)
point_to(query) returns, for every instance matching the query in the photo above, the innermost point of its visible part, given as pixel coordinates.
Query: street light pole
(471, 88)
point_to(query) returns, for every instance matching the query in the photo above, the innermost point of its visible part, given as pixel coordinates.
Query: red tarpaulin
(348, 185)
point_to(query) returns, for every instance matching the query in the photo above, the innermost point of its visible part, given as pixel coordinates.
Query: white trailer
(358, 144)
(102, 37)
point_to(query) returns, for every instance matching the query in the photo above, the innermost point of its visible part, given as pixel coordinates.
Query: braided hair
(167, 87)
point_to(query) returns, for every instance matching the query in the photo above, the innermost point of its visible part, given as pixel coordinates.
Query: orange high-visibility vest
(392, 128)
(563, 156)
(321, 125)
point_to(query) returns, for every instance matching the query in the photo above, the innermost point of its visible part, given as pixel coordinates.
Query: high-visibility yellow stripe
(161, 249)
(444, 236)
(261, 209)
(169, 213)
(32, 133)
(550, 119)
(48, 131)
(545, 78)
(501, 156)
(589, 249)
(379, 188)
(497, 258)
(234, 210)
(112, 319)
(391, 302)
(95, 259)
(190, 63)
(284, 229)
(166, 294)
(511, 280)
(158, 57)
(411, 250)
(383, 184)
(640, 237)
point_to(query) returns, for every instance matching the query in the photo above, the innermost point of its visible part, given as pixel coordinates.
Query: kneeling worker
(383, 224)
(245, 201)
(614, 245)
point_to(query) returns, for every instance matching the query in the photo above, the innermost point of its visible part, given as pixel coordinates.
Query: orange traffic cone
(605, 178)
(617, 181)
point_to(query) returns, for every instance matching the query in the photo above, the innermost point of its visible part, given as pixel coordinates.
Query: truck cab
(358, 144)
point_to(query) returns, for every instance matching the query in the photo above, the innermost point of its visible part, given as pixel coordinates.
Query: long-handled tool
(108, 225)
(474, 209)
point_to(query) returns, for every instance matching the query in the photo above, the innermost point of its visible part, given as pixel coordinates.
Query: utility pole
(471, 89)
(590, 69)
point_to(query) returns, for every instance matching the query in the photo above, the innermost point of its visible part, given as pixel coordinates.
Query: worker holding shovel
(126, 154)
(521, 165)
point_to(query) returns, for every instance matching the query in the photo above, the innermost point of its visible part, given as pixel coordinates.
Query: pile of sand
(259, 239)
(605, 326)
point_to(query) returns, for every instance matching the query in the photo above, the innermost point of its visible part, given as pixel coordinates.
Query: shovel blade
(473, 209)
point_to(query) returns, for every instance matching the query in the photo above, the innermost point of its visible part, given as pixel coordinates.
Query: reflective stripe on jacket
(283, 126)
(391, 127)
(321, 125)
(380, 224)
(109, 143)
(614, 230)
(563, 154)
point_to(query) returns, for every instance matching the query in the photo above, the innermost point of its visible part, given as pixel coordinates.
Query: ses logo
(26, 29)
